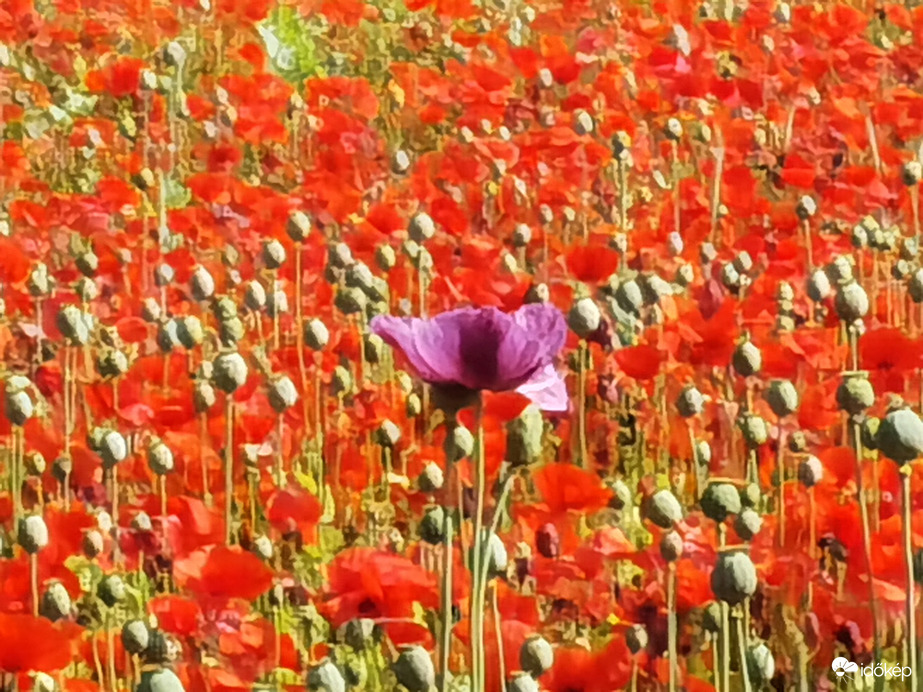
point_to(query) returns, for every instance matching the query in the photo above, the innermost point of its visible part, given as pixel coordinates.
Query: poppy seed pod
(359, 633)
(203, 396)
(810, 471)
(414, 669)
(35, 463)
(734, 578)
(298, 226)
(730, 277)
(675, 243)
(87, 263)
(342, 381)
(671, 546)
(388, 434)
(851, 302)
(43, 682)
(150, 310)
(113, 448)
(350, 301)
(261, 546)
(159, 458)
(909, 249)
(901, 269)
(673, 129)
(720, 500)
(18, 407)
(915, 286)
(400, 162)
(385, 257)
(748, 524)
(754, 430)
(536, 656)
(711, 618)
(159, 650)
(189, 331)
(663, 509)
(583, 122)
(56, 602)
(202, 284)
(707, 253)
(621, 142)
(854, 395)
(629, 297)
(32, 533)
(685, 275)
(160, 680)
(839, 271)
(524, 437)
(522, 235)
(273, 254)
(538, 293)
(374, 347)
(93, 543)
(806, 208)
(911, 173)
(254, 296)
(782, 398)
(522, 682)
(40, 282)
(702, 452)
(797, 442)
(761, 666)
(74, 325)
(358, 275)
(421, 227)
(282, 394)
(167, 336)
(135, 636)
(785, 292)
(111, 590)
(86, 290)
(900, 436)
(636, 639)
(431, 478)
(743, 263)
(277, 303)
(747, 360)
(432, 525)
(750, 495)
(112, 363)
(339, 255)
(142, 522)
(413, 407)
(316, 335)
(619, 243)
(690, 402)
(230, 372)
(818, 286)
(459, 443)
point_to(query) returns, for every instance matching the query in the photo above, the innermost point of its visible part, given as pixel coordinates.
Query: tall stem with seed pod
(716, 186)
(671, 624)
(477, 609)
(907, 536)
(33, 579)
(725, 626)
(299, 334)
(228, 468)
(116, 548)
(203, 438)
(866, 538)
(582, 355)
(742, 642)
(445, 647)
(498, 631)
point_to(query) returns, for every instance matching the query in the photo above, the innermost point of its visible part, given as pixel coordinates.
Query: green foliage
(290, 43)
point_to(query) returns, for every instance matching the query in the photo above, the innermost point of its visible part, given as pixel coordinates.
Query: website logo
(848, 670)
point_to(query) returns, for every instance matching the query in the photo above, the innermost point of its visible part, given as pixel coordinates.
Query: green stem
(228, 469)
(581, 403)
(446, 645)
(671, 623)
(725, 626)
(744, 672)
(498, 632)
(477, 625)
(907, 535)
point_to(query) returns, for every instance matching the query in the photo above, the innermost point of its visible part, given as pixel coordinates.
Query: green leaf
(177, 195)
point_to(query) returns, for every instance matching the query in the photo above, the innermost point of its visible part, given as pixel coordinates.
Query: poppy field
(461, 345)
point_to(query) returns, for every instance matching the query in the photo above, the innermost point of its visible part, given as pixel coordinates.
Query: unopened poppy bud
(734, 578)
(298, 226)
(40, 282)
(851, 302)
(432, 525)
(748, 524)
(142, 522)
(548, 541)
(636, 639)
(524, 437)
(160, 680)
(806, 208)
(202, 284)
(855, 394)
(388, 434)
(912, 173)
(56, 602)
(18, 407)
(159, 458)
(385, 257)
(414, 669)
(536, 656)
(538, 293)
(663, 509)
(900, 436)
(671, 546)
(326, 677)
(673, 129)
(150, 310)
(754, 430)
(431, 479)
(273, 254)
(74, 325)
(629, 297)
(840, 270)
(113, 448)
(782, 398)
(341, 382)
(277, 303)
(203, 396)
(230, 372)
(685, 275)
(421, 227)
(459, 443)
(690, 402)
(719, 500)
(255, 296)
(747, 360)
(522, 682)
(583, 123)
(32, 533)
(111, 590)
(400, 162)
(810, 471)
(584, 317)
(761, 665)
(350, 301)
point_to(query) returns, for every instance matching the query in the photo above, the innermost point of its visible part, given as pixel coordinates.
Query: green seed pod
(298, 226)
(782, 398)
(915, 286)
(342, 381)
(162, 680)
(360, 633)
(524, 437)
(159, 458)
(142, 522)
(202, 284)
(690, 402)
(374, 348)
(761, 665)
(810, 472)
(432, 525)
(636, 639)
(189, 331)
(900, 436)
(385, 257)
(798, 442)
(734, 578)
(400, 162)
(282, 394)
(414, 669)
(316, 335)
(818, 286)
(621, 495)
(56, 602)
(43, 682)
(150, 310)
(459, 443)
(671, 546)
(748, 524)
(851, 302)
(113, 448)
(431, 479)
(273, 254)
(203, 396)
(135, 636)
(754, 430)
(663, 509)
(497, 557)
(720, 500)
(230, 372)
(111, 590)
(711, 617)
(93, 543)
(18, 406)
(112, 363)
(261, 546)
(750, 495)
(747, 359)
(421, 227)
(158, 650)
(702, 453)
(869, 433)
(536, 656)
(231, 331)
(522, 682)
(40, 282)
(167, 336)
(855, 394)
(584, 317)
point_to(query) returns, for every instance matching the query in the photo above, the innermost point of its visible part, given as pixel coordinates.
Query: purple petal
(545, 323)
(546, 390)
(431, 346)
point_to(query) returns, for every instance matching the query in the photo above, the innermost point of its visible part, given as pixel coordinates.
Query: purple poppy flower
(465, 351)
